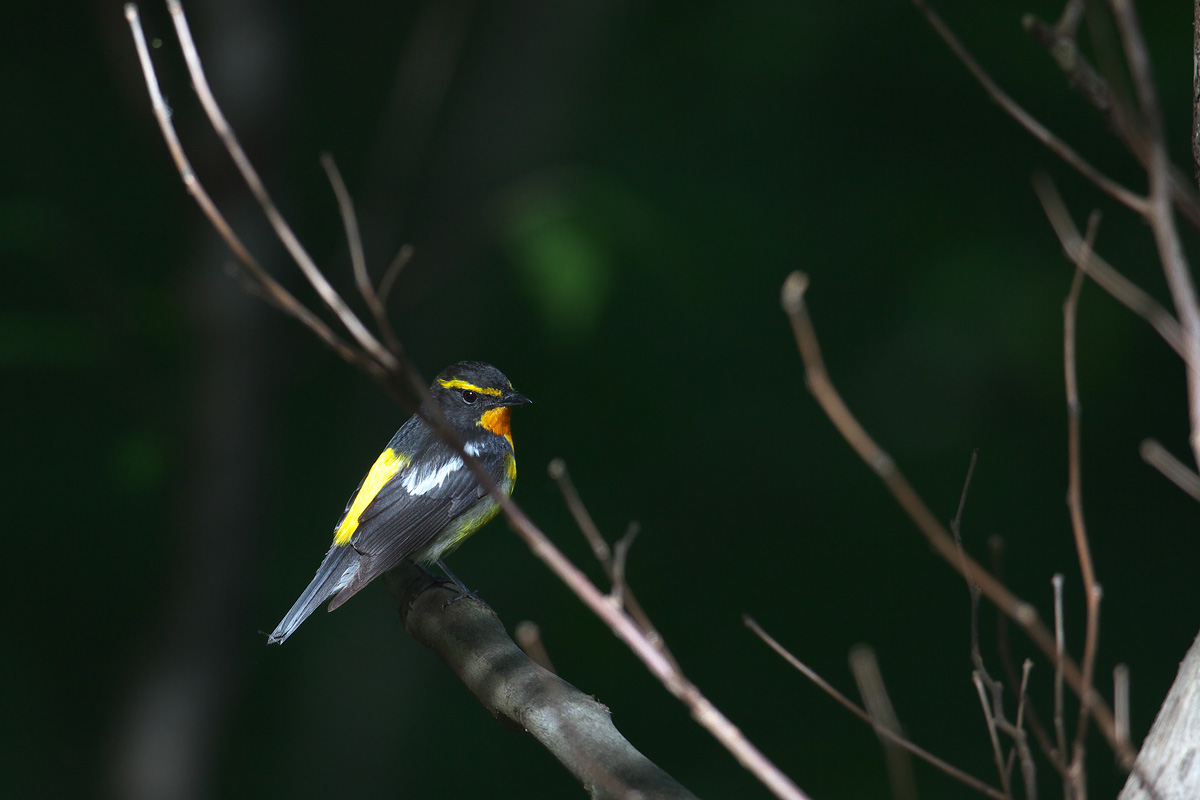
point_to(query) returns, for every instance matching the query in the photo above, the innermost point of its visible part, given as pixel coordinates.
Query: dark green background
(604, 200)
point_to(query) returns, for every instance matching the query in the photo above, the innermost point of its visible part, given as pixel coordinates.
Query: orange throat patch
(499, 422)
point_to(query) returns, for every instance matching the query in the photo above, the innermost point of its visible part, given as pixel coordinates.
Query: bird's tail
(339, 566)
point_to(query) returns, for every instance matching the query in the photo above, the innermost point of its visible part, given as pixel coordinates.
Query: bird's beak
(515, 399)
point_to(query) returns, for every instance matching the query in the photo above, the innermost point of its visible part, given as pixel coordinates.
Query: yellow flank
(498, 421)
(384, 469)
(473, 520)
(457, 384)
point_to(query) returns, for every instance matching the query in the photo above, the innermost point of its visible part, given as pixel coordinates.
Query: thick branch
(1168, 760)
(576, 729)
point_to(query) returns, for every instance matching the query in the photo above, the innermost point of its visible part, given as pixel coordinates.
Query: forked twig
(987, 686)
(365, 339)
(993, 736)
(271, 288)
(358, 261)
(612, 562)
(1104, 274)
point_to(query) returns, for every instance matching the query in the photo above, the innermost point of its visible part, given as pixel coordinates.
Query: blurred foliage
(604, 201)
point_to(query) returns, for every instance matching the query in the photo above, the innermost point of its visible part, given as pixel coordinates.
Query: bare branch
(270, 289)
(386, 367)
(1060, 649)
(358, 261)
(1160, 216)
(1121, 703)
(1028, 769)
(1026, 712)
(1167, 767)
(1175, 470)
(869, 678)
(1074, 467)
(1104, 274)
(558, 473)
(1060, 43)
(403, 257)
(850, 706)
(926, 522)
(615, 572)
(620, 587)
(575, 728)
(1027, 120)
(1196, 90)
(997, 754)
(359, 332)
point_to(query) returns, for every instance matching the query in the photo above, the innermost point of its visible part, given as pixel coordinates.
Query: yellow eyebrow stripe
(385, 468)
(459, 384)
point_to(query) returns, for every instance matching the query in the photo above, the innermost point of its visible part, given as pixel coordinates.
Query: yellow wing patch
(385, 468)
(459, 384)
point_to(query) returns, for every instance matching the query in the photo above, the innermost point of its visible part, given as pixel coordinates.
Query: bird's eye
(468, 396)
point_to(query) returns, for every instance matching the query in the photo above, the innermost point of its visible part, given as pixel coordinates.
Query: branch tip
(792, 296)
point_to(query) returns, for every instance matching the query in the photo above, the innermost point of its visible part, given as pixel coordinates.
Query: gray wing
(407, 514)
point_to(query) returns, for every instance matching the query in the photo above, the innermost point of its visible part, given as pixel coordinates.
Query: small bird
(420, 500)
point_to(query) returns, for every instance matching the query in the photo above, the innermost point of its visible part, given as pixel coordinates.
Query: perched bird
(420, 500)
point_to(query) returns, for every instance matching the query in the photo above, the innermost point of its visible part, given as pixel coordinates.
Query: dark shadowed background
(604, 199)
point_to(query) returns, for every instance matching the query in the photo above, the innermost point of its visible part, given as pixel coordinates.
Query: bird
(420, 500)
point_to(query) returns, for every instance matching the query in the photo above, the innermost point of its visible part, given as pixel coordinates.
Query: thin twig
(1160, 215)
(621, 591)
(1075, 506)
(1060, 43)
(403, 257)
(1027, 120)
(1028, 767)
(1060, 649)
(1090, 647)
(1104, 274)
(996, 550)
(271, 289)
(358, 261)
(1157, 456)
(221, 126)
(864, 666)
(1196, 90)
(583, 518)
(1121, 702)
(995, 716)
(926, 522)
(997, 753)
(972, 586)
(853, 708)
(620, 587)
(1074, 465)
